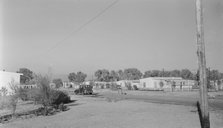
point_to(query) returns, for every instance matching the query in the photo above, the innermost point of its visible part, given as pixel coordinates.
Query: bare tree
(14, 96)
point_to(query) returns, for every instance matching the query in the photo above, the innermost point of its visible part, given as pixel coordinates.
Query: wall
(8, 77)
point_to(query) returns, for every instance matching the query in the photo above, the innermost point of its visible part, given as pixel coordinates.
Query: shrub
(42, 94)
(135, 87)
(57, 97)
(34, 94)
(14, 95)
(23, 94)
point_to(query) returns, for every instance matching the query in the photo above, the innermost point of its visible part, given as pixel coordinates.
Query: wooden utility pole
(202, 66)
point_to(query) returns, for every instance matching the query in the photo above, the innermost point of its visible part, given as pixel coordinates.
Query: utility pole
(205, 123)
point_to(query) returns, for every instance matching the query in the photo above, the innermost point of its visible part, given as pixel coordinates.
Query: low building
(67, 84)
(166, 83)
(129, 83)
(28, 86)
(122, 83)
(216, 84)
(101, 84)
(8, 78)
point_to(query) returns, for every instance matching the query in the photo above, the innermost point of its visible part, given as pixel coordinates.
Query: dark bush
(135, 87)
(59, 97)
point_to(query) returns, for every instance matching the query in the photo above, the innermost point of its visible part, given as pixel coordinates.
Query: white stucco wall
(153, 83)
(8, 77)
(147, 83)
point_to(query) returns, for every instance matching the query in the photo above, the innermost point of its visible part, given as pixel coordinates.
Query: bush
(34, 94)
(23, 94)
(135, 87)
(57, 97)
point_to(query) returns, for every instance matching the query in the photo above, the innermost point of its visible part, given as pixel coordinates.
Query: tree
(175, 73)
(121, 74)
(155, 73)
(27, 75)
(102, 75)
(132, 74)
(105, 75)
(212, 75)
(43, 92)
(58, 82)
(113, 76)
(186, 74)
(221, 75)
(14, 95)
(78, 77)
(166, 73)
(147, 74)
(215, 75)
(98, 75)
(72, 76)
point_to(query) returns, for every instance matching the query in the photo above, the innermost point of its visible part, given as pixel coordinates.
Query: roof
(133, 81)
(14, 73)
(164, 78)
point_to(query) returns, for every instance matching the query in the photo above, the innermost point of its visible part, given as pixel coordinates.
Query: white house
(122, 83)
(7, 78)
(166, 83)
(101, 84)
(125, 83)
(67, 84)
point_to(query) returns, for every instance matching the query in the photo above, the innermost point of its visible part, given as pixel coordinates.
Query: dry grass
(22, 106)
(90, 112)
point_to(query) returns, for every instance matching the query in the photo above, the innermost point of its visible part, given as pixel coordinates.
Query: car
(84, 90)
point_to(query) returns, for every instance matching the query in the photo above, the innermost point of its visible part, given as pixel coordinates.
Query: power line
(82, 26)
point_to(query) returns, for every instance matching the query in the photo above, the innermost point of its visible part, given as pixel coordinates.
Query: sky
(84, 35)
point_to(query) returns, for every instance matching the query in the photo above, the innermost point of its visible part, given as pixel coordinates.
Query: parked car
(84, 90)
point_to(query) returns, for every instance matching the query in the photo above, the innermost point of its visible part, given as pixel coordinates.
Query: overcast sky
(86, 35)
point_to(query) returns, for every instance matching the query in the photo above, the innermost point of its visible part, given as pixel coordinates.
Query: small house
(8, 78)
(166, 83)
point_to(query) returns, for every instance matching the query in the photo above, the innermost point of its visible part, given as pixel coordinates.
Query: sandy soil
(22, 106)
(88, 112)
(112, 111)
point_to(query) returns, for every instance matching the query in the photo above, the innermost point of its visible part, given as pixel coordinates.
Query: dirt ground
(88, 112)
(117, 112)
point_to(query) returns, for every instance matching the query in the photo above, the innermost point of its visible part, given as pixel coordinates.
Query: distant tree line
(135, 74)
(126, 74)
(184, 73)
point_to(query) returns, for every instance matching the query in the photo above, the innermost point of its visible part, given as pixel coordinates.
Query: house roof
(14, 73)
(165, 78)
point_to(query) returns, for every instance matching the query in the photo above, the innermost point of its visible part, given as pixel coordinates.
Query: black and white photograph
(111, 64)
